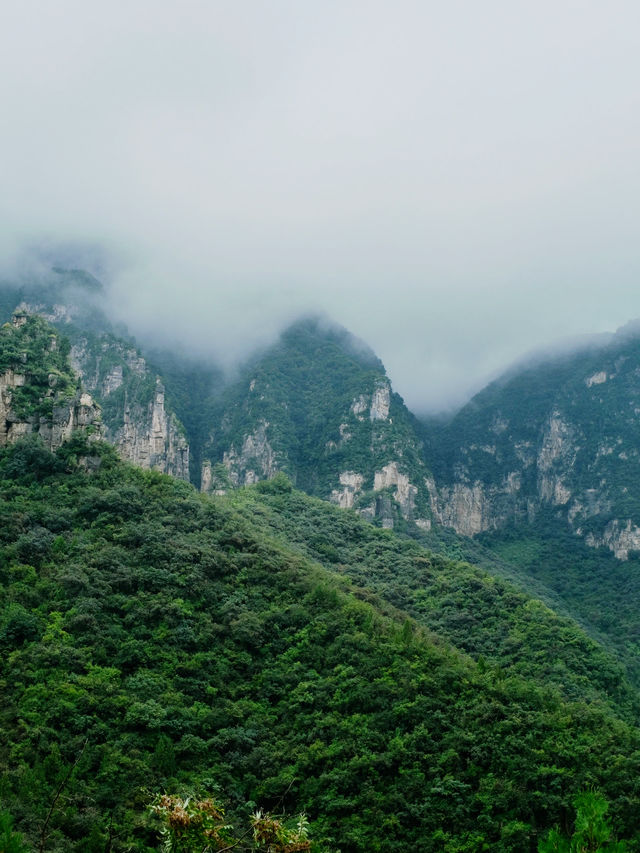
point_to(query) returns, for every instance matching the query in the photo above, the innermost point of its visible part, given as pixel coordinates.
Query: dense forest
(158, 640)
(256, 668)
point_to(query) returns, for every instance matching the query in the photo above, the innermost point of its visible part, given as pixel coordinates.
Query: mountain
(39, 392)
(154, 638)
(276, 648)
(319, 406)
(561, 435)
(135, 416)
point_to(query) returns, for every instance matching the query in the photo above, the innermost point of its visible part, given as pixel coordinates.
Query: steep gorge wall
(581, 457)
(136, 418)
(39, 397)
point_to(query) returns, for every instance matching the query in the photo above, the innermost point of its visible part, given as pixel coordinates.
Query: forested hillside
(269, 647)
(319, 406)
(169, 641)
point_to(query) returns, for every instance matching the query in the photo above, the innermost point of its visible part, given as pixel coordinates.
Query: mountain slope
(155, 638)
(485, 616)
(319, 406)
(562, 434)
(167, 642)
(136, 418)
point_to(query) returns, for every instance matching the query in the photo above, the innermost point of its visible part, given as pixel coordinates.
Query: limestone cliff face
(150, 437)
(383, 489)
(66, 416)
(539, 477)
(255, 459)
(619, 537)
(351, 484)
(41, 396)
(563, 434)
(136, 418)
(54, 313)
(555, 461)
(471, 509)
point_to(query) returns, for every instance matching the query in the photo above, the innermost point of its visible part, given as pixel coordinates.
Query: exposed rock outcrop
(256, 460)
(151, 437)
(79, 412)
(621, 537)
(380, 402)
(472, 509)
(137, 421)
(561, 435)
(556, 459)
(351, 483)
(405, 492)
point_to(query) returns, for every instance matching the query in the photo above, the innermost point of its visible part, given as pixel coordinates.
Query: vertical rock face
(81, 413)
(405, 492)
(41, 398)
(9, 424)
(150, 438)
(135, 414)
(561, 434)
(256, 460)
(351, 483)
(555, 460)
(380, 401)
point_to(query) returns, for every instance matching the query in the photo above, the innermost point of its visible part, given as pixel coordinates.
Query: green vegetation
(593, 393)
(33, 350)
(157, 640)
(592, 833)
(486, 616)
(600, 591)
(303, 389)
(159, 646)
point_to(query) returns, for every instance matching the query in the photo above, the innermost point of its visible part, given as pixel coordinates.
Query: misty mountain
(276, 647)
(556, 435)
(319, 406)
(110, 366)
(561, 435)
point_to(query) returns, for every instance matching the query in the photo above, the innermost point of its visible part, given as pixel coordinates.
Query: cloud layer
(456, 183)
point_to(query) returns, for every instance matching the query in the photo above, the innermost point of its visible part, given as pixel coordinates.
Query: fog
(455, 183)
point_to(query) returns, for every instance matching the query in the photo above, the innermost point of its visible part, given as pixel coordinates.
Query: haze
(456, 183)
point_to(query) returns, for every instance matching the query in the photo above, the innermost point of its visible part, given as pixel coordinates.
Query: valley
(283, 588)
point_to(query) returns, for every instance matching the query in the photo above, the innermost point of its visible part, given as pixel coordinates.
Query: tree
(10, 841)
(198, 825)
(592, 832)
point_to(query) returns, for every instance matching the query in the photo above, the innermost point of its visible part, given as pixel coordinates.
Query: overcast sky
(456, 182)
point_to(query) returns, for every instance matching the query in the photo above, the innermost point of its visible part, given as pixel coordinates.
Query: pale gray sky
(457, 182)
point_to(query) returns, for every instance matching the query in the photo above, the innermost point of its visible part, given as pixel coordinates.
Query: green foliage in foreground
(152, 639)
(192, 825)
(10, 841)
(592, 833)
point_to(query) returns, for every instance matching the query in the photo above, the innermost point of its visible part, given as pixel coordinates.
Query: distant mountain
(135, 415)
(319, 406)
(561, 435)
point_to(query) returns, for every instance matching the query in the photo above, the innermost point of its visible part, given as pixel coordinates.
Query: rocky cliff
(38, 391)
(562, 434)
(319, 407)
(136, 417)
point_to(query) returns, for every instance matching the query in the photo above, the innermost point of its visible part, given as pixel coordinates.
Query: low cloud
(457, 183)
